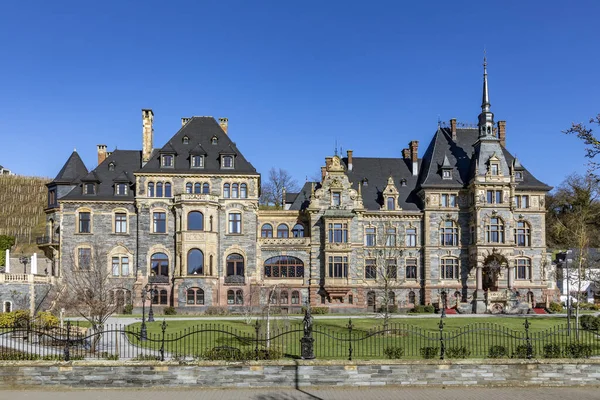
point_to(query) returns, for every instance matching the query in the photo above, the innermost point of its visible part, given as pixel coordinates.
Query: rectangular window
(370, 237)
(121, 189)
(498, 197)
(85, 223)
(449, 268)
(411, 237)
(120, 266)
(448, 200)
(472, 235)
(391, 269)
(338, 267)
(51, 198)
(523, 271)
(494, 196)
(227, 161)
(84, 258)
(391, 203)
(338, 233)
(494, 169)
(447, 174)
(411, 268)
(235, 223)
(160, 222)
(120, 223)
(167, 160)
(89, 188)
(197, 162)
(390, 237)
(370, 269)
(522, 201)
(336, 198)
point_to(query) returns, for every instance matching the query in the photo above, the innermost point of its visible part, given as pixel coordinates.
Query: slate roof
(460, 157)
(200, 131)
(73, 170)
(125, 163)
(302, 199)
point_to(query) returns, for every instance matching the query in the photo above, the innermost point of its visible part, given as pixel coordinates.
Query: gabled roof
(125, 161)
(72, 172)
(200, 131)
(302, 199)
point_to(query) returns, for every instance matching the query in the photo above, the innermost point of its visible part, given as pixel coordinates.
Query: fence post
(350, 339)
(442, 344)
(528, 339)
(163, 327)
(67, 350)
(256, 329)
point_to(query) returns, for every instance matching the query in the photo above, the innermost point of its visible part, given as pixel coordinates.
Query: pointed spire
(486, 117)
(446, 163)
(485, 102)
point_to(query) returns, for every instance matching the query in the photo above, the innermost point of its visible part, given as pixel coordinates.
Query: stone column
(34, 264)
(511, 276)
(7, 262)
(479, 272)
(480, 306)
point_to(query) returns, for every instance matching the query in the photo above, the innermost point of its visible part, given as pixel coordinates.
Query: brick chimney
(406, 154)
(323, 173)
(223, 122)
(502, 132)
(101, 153)
(414, 156)
(453, 128)
(349, 155)
(147, 134)
(328, 161)
(184, 121)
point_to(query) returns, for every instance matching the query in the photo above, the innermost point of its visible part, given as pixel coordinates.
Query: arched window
(298, 230)
(150, 189)
(167, 189)
(195, 296)
(494, 231)
(243, 191)
(266, 231)
(159, 264)
(391, 298)
(7, 307)
(283, 231)
(159, 189)
(283, 297)
(195, 221)
(523, 234)
(160, 297)
(235, 297)
(411, 297)
(284, 267)
(235, 265)
(226, 190)
(197, 187)
(188, 187)
(195, 262)
(206, 188)
(449, 234)
(235, 190)
(391, 203)
(449, 268)
(295, 297)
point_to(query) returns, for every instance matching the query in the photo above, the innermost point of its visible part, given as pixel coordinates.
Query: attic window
(446, 174)
(111, 166)
(494, 169)
(186, 140)
(197, 162)
(167, 160)
(89, 188)
(365, 182)
(214, 140)
(519, 175)
(403, 182)
(227, 162)
(121, 189)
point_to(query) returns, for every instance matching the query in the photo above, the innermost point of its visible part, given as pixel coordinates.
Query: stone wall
(81, 374)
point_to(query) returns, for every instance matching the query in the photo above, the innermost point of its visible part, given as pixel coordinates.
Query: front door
(490, 279)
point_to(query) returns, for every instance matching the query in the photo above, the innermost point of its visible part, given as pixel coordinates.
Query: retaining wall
(82, 374)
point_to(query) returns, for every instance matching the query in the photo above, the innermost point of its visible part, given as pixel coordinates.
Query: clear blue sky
(294, 77)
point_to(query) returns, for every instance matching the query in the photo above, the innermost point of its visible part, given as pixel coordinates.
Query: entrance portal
(491, 272)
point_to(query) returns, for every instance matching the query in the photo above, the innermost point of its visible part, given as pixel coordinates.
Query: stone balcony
(24, 278)
(195, 197)
(289, 241)
(235, 280)
(47, 240)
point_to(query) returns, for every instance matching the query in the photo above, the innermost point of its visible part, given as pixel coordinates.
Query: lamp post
(24, 260)
(443, 303)
(143, 331)
(151, 311)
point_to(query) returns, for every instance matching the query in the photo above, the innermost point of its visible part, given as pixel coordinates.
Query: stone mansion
(463, 223)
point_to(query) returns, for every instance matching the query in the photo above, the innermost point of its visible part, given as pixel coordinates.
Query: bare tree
(272, 189)
(589, 139)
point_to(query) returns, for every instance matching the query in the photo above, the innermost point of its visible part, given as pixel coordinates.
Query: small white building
(570, 280)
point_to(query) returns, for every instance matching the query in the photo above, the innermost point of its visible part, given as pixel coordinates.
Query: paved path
(556, 393)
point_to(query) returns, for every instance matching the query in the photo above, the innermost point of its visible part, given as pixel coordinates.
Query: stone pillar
(34, 264)
(7, 262)
(511, 276)
(479, 278)
(480, 306)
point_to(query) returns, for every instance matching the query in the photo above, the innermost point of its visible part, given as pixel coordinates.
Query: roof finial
(485, 103)
(336, 148)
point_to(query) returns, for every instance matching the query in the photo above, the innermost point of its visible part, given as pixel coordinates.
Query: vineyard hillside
(22, 202)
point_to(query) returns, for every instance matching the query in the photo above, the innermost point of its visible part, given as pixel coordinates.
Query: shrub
(14, 355)
(318, 310)
(110, 356)
(552, 350)
(170, 311)
(14, 319)
(46, 320)
(128, 309)
(392, 309)
(555, 307)
(587, 322)
(145, 357)
(272, 353)
(458, 352)
(216, 310)
(596, 323)
(429, 308)
(419, 309)
(429, 352)
(226, 353)
(497, 351)
(393, 352)
(521, 351)
(578, 350)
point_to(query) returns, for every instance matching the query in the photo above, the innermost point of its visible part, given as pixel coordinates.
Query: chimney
(223, 122)
(283, 198)
(101, 153)
(184, 121)
(323, 173)
(328, 162)
(349, 155)
(502, 132)
(147, 134)
(453, 128)
(414, 156)
(406, 154)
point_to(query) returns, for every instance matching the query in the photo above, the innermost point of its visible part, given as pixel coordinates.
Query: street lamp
(24, 260)
(443, 303)
(145, 290)
(151, 311)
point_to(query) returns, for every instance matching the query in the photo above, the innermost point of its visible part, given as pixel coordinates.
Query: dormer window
(519, 175)
(391, 203)
(197, 161)
(403, 182)
(185, 140)
(121, 189)
(494, 169)
(336, 198)
(365, 182)
(214, 140)
(446, 174)
(227, 162)
(111, 166)
(89, 188)
(167, 161)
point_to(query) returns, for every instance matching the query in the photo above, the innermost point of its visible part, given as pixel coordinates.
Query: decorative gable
(390, 196)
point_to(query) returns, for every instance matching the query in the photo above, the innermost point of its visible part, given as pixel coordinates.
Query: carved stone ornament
(336, 165)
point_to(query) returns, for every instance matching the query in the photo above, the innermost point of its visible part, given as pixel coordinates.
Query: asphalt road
(512, 393)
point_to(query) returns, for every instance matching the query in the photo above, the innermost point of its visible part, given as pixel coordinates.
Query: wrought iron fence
(295, 339)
